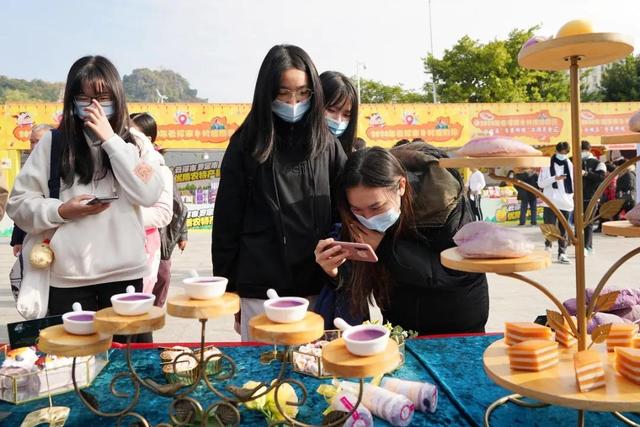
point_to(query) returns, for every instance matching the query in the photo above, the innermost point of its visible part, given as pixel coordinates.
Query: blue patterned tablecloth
(454, 364)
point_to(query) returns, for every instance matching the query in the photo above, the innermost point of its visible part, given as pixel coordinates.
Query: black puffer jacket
(426, 296)
(269, 217)
(176, 231)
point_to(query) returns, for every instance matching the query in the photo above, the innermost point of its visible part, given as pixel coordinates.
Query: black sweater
(269, 217)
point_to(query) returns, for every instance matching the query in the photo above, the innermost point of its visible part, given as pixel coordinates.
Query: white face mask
(380, 222)
(290, 113)
(561, 157)
(337, 127)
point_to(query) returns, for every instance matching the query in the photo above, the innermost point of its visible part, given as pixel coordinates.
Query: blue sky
(218, 45)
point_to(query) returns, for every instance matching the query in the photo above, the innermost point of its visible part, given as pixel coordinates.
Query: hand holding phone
(102, 200)
(357, 251)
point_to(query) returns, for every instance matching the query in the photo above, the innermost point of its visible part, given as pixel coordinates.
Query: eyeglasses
(85, 100)
(285, 94)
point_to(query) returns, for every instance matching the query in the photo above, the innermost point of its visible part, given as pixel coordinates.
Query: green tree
(375, 92)
(142, 83)
(18, 90)
(621, 80)
(475, 72)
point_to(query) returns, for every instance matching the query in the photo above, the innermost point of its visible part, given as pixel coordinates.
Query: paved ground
(510, 299)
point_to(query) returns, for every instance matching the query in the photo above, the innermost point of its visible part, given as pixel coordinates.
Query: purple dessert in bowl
(132, 303)
(285, 309)
(363, 340)
(205, 287)
(78, 321)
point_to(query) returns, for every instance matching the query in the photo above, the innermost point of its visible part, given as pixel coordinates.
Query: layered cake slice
(589, 370)
(515, 332)
(628, 363)
(533, 355)
(621, 335)
(564, 336)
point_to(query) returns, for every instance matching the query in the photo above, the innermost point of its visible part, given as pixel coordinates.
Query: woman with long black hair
(274, 199)
(409, 283)
(108, 172)
(341, 103)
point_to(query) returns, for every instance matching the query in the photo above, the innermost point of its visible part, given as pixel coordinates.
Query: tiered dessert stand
(557, 385)
(184, 409)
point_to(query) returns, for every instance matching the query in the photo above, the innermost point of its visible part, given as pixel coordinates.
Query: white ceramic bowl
(286, 309)
(132, 304)
(366, 340)
(79, 322)
(205, 287)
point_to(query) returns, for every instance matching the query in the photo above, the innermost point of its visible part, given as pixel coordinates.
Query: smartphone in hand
(357, 251)
(103, 200)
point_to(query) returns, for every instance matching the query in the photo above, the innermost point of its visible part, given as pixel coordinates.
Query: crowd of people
(296, 184)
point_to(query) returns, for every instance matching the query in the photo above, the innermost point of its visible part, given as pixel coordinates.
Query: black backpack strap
(57, 144)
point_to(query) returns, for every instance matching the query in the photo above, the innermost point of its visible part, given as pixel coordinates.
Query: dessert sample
(533, 355)
(589, 370)
(516, 332)
(628, 363)
(621, 335)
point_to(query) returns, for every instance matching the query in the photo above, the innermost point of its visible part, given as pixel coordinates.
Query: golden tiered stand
(55, 340)
(557, 386)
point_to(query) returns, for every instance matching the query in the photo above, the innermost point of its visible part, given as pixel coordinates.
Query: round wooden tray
(495, 162)
(338, 361)
(58, 342)
(538, 260)
(594, 48)
(108, 322)
(627, 138)
(308, 329)
(620, 228)
(557, 385)
(183, 306)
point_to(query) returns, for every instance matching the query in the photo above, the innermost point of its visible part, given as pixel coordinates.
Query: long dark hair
(339, 89)
(257, 130)
(375, 168)
(146, 123)
(100, 73)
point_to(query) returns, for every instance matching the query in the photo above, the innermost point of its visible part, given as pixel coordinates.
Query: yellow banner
(209, 126)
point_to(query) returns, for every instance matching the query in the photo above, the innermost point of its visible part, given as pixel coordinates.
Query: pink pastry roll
(482, 239)
(497, 146)
(424, 395)
(394, 408)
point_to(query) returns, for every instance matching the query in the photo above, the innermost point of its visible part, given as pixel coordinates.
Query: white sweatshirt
(558, 196)
(161, 213)
(107, 247)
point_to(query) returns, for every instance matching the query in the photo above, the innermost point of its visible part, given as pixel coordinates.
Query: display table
(454, 364)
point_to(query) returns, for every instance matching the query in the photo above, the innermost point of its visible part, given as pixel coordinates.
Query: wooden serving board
(108, 322)
(557, 385)
(58, 342)
(593, 48)
(538, 260)
(305, 331)
(620, 228)
(339, 361)
(495, 162)
(183, 306)
(628, 138)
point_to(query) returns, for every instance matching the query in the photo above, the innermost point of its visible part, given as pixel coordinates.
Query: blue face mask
(82, 114)
(337, 128)
(290, 113)
(380, 222)
(561, 157)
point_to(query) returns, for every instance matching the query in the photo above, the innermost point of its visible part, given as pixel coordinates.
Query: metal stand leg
(516, 399)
